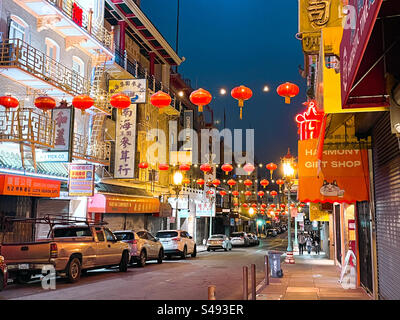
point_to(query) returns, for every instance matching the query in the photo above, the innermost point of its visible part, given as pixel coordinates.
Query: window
(18, 28)
(150, 237)
(100, 234)
(183, 234)
(72, 232)
(109, 235)
(142, 235)
(52, 49)
(78, 66)
(124, 236)
(166, 234)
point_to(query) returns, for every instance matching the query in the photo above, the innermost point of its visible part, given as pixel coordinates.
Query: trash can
(275, 263)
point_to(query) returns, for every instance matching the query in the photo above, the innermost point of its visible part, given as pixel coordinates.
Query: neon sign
(309, 122)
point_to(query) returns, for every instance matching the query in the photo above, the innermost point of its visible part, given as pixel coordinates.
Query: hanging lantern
(302, 205)
(248, 182)
(254, 205)
(235, 193)
(82, 102)
(264, 183)
(245, 205)
(280, 183)
(160, 99)
(249, 168)
(200, 182)
(163, 167)
(205, 167)
(273, 206)
(143, 165)
(209, 192)
(283, 206)
(241, 94)
(120, 101)
(222, 193)
(227, 168)
(200, 98)
(260, 193)
(292, 205)
(9, 102)
(271, 167)
(263, 205)
(284, 213)
(231, 182)
(216, 182)
(288, 90)
(184, 167)
(185, 181)
(273, 193)
(45, 103)
(248, 193)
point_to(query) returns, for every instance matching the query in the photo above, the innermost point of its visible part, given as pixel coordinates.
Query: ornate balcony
(93, 151)
(27, 126)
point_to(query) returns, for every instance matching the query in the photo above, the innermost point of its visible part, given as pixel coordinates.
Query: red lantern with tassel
(143, 165)
(261, 193)
(231, 182)
(288, 90)
(200, 182)
(216, 182)
(273, 193)
(185, 181)
(184, 167)
(120, 101)
(45, 103)
(271, 167)
(9, 102)
(235, 193)
(160, 99)
(248, 182)
(248, 193)
(241, 94)
(200, 98)
(227, 168)
(249, 168)
(82, 102)
(264, 183)
(205, 167)
(222, 193)
(163, 167)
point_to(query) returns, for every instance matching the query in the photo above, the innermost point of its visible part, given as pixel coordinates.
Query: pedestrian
(301, 240)
(309, 244)
(317, 244)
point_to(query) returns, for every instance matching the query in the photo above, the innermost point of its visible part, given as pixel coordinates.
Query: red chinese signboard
(77, 14)
(14, 185)
(309, 122)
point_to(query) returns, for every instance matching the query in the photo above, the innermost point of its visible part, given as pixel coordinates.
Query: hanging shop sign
(188, 126)
(81, 180)
(357, 32)
(136, 89)
(343, 175)
(205, 209)
(51, 156)
(28, 186)
(309, 122)
(63, 122)
(316, 214)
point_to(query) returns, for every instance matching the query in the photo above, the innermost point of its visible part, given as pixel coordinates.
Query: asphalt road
(174, 279)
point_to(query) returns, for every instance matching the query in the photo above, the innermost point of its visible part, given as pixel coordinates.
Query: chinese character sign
(81, 180)
(135, 89)
(62, 118)
(309, 122)
(77, 14)
(125, 139)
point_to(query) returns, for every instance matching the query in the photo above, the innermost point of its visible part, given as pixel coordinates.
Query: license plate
(24, 266)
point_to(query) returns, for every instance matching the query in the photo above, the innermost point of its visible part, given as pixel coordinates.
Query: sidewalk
(312, 277)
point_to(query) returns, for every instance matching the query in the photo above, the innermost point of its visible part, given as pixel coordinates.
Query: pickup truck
(70, 249)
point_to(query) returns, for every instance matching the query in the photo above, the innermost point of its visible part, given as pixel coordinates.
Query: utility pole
(177, 32)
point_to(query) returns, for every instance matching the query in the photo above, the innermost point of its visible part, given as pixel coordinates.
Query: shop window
(78, 66)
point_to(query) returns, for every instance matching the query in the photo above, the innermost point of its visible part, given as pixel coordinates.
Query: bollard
(266, 265)
(245, 284)
(211, 293)
(253, 282)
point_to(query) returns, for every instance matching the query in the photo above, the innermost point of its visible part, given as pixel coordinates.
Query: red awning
(111, 203)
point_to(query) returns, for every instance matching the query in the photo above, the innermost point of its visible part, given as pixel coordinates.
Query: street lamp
(178, 178)
(289, 173)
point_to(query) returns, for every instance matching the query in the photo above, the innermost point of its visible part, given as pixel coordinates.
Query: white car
(240, 239)
(219, 241)
(177, 243)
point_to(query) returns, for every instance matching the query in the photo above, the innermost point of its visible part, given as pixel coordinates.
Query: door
(153, 244)
(114, 252)
(101, 251)
(144, 243)
(338, 229)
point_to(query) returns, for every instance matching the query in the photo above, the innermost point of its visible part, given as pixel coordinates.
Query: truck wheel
(1, 281)
(23, 278)
(160, 256)
(74, 270)
(194, 253)
(123, 265)
(142, 259)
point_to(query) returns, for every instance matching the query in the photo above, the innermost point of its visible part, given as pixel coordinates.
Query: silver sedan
(219, 241)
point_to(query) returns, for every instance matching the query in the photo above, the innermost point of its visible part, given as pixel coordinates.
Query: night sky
(240, 42)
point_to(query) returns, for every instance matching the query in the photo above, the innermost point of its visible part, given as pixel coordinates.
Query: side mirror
(156, 239)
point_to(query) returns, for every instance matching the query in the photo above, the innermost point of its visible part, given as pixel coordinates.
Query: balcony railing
(94, 151)
(27, 126)
(97, 31)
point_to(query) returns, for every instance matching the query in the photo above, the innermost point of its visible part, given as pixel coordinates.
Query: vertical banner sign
(62, 117)
(125, 139)
(77, 14)
(188, 125)
(81, 180)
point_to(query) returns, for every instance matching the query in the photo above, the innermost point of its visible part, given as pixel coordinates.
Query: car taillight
(53, 250)
(176, 239)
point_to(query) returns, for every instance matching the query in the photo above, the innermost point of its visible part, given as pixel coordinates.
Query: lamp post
(288, 162)
(178, 177)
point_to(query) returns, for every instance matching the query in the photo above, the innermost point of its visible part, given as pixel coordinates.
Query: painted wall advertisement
(81, 180)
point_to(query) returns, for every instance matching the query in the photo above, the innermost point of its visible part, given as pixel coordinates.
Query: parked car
(3, 273)
(279, 230)
(256, 240)
(219, 241)
(69, 248)
(253, 239)
(271, 233)
(240, 239)
(143, 246)
(177, 242)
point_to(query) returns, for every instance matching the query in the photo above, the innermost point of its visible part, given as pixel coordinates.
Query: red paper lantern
(263, 205)
(254, 205)
(249, 168)
(200, 98)
(264, 183)
(45, 103)
(302, 205)
(205, 167)
(245, 205)
(273, 193)
(261, 193)
(82, 102)
(143, 165)
(210, 192)
(231, 182)
(241, 94)
(273, 206)
(216, 182)
(236, 204)
(271, 167)
(280, 182)
(292, 205)
(235, 193)
(163, 166)
(227, 168)
(200, 182)
(120, 101)
(222, 193)
(248, 193)
(283, 206)
(184, 167)
(288, 90)
(160, 99)
(185, 181)
(248, 182)
(9, 102)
